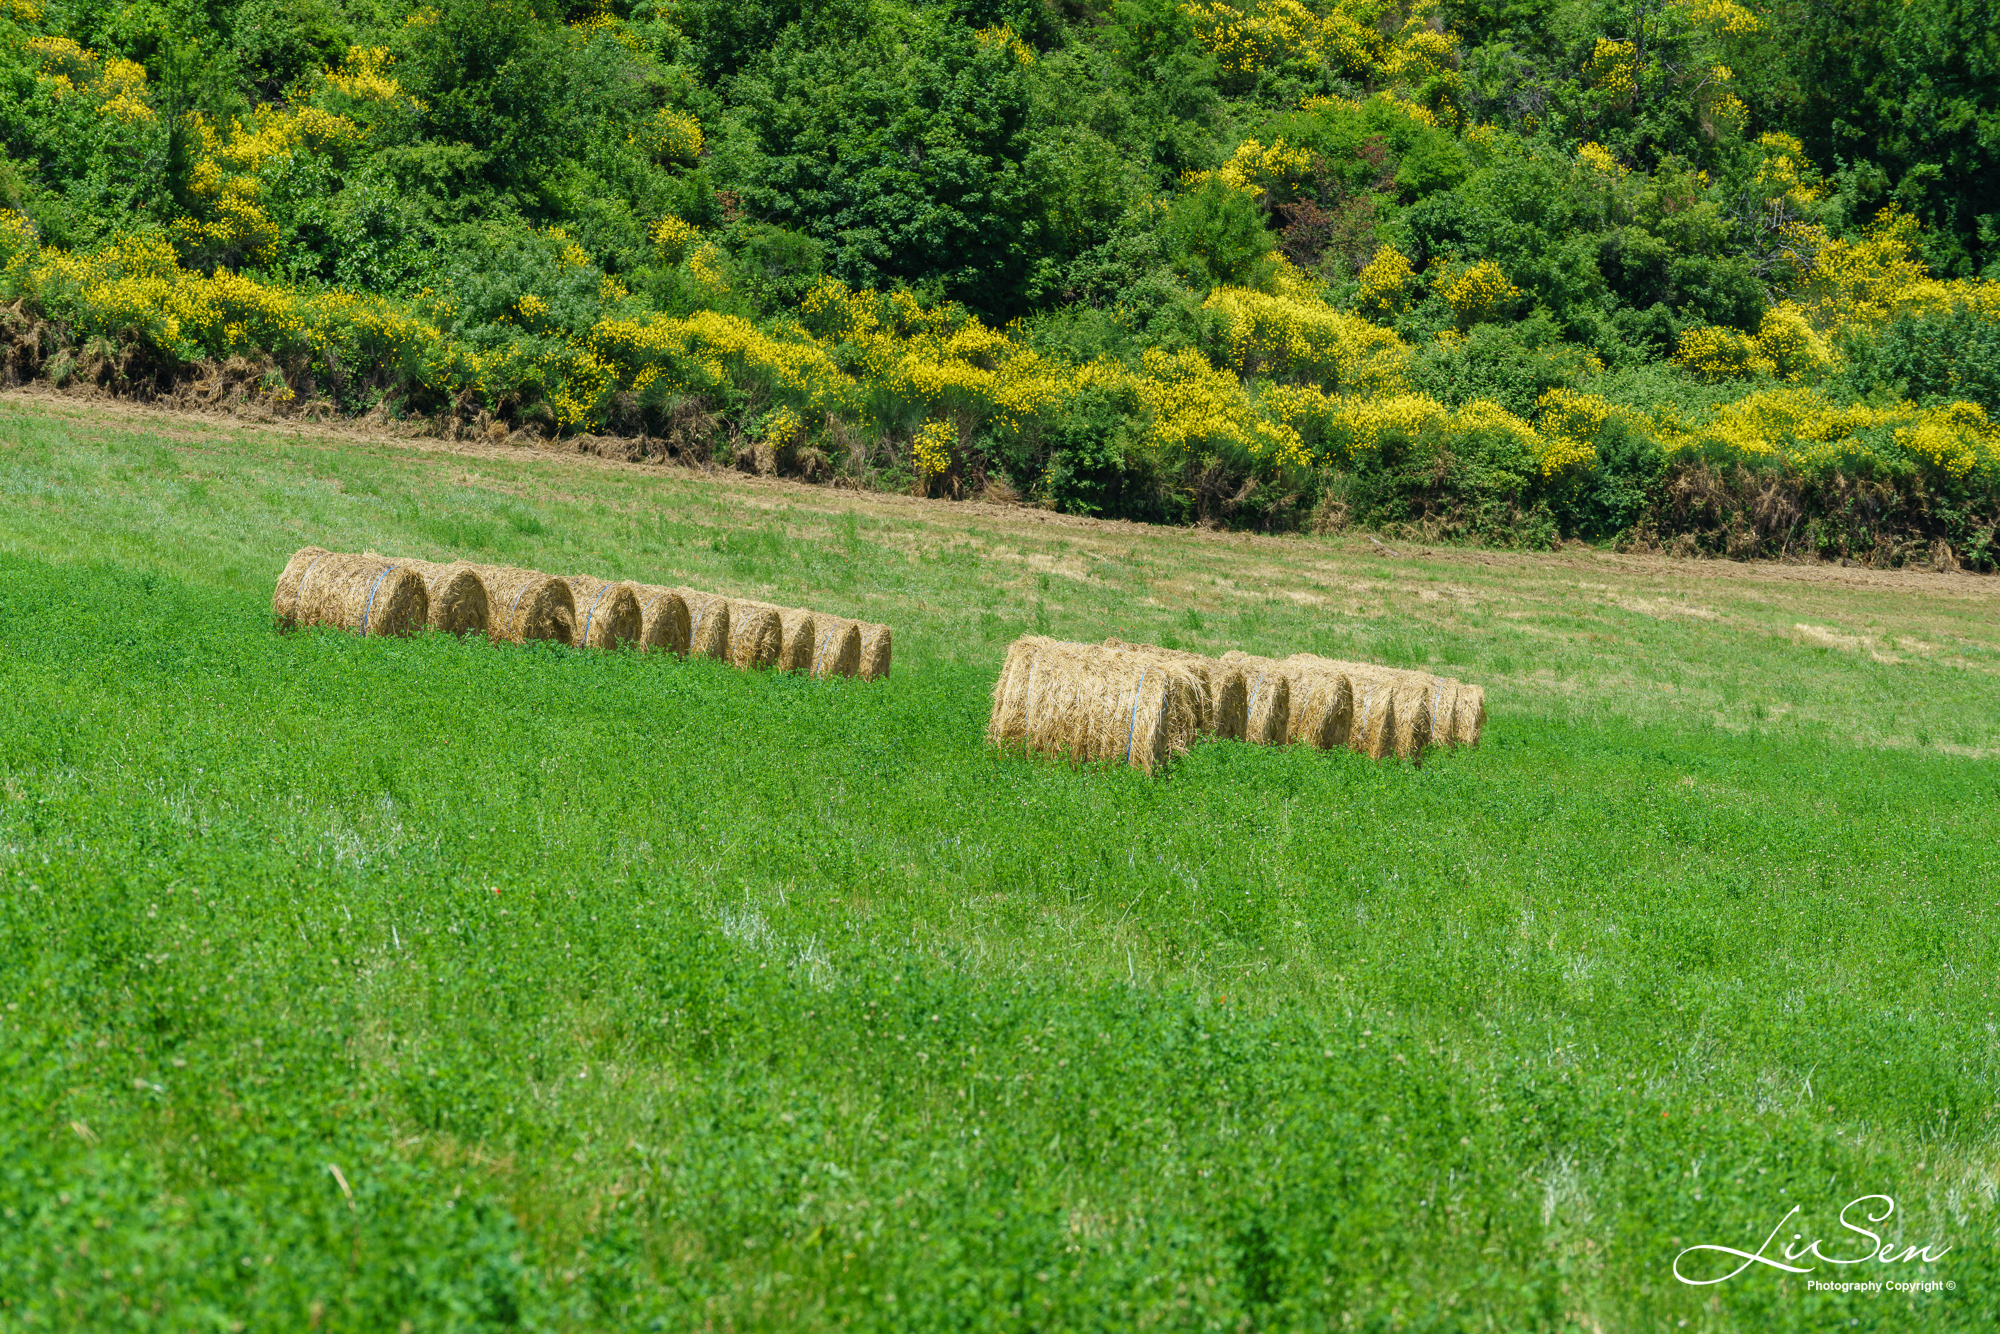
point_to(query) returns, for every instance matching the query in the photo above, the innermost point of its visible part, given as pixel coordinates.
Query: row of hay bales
(1136, 704)
(380, 595)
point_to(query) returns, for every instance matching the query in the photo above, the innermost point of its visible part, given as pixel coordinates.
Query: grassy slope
(794, 1005)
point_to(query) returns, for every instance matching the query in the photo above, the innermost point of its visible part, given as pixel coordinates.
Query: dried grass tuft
(457, 596)
(708, 624)
(607, 614)
(526, 605)
(368, 595)
(663, 619)
(285, 598)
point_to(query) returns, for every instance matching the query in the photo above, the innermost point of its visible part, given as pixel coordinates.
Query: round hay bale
(1319, 703)
(1413, 715)
(1267, 707)
(1009, 721)
(875, 648)
(368, 595)
(607, 614)
(708, 623)
(1095, 705)
(1374, 730)
(798, 635)
(1470, 717)
(837, 648)
(457, 596)
(756, 638)
(526, 605)
(1225, 694)
(285, 598)
(663, 619)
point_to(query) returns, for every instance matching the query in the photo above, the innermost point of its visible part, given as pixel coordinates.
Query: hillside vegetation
(1691, 275)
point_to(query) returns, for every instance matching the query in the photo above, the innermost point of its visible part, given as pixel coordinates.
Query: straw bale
(1223, 691)
(837, 647)
(798, 635)
(1319, 703)
(457, 596)
(1470, 716)
(875, 650)
(756, 637)
(368, 595)
(1095, 705)
(527, 604)
(1374, 730)
(708, 623)
(285, 599)
(607, 614)
(1267, 707)
(1420, 701)
(663, 619)
(1009, 721)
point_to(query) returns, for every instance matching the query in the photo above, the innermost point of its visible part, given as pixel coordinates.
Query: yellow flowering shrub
(1368, 41)
(1716, 353)
(670, 136)
(1385, 283)
(117, 86)
(1477, 292)
(1612, 68)
(931, 448)
(1290, 338)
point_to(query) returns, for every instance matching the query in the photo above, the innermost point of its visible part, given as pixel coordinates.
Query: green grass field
(425, 984)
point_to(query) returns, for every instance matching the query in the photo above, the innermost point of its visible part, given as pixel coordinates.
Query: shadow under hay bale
(1089, 704)
(708, 624)
(756, 637)
(457, 596)
(285, 598)
(663, 619)
(527, 605)
(367, 595)
(607, 613)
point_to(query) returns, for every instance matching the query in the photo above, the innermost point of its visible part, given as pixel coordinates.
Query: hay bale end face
(367, 595)
(285, 598)
(457, 595)
(837, 648)
(1267, 707)
(756, 637)
(663, 619)
(708, 624)
(875, 649)
(607, 614)
(527, 605)
(798, 635)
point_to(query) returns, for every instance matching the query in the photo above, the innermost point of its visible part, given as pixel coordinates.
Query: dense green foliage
(510, 180)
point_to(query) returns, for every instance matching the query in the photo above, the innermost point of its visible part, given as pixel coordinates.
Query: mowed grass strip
(358, 981)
